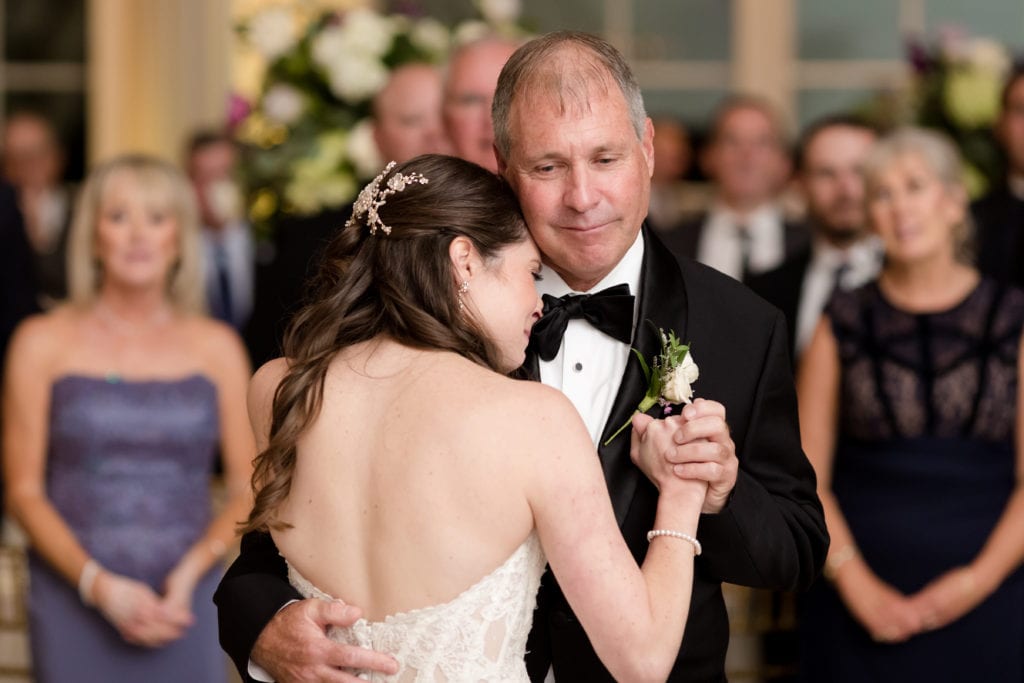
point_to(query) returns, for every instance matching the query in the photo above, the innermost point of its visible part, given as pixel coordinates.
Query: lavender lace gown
(128, 468)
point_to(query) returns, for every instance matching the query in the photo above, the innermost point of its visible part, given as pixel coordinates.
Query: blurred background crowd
(862, 161)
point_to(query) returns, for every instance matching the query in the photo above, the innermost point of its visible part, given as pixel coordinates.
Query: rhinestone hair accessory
(373, 197)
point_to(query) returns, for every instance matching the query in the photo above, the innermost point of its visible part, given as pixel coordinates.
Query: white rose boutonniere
(670, 377)
(679, 382)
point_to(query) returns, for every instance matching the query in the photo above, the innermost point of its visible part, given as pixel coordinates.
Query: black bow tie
(610, 311)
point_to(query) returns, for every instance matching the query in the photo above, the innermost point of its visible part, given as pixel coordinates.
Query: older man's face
(583, 179)
(408, 114)
(468, 94)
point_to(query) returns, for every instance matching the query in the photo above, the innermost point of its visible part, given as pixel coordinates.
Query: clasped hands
(699, 448)
(141, 615)
(889, 616)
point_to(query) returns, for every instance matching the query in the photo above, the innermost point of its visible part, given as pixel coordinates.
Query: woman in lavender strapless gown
(115, 407)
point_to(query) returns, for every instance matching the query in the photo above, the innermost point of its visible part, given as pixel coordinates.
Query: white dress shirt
(863, 260)
(721, 240)
(589, 365)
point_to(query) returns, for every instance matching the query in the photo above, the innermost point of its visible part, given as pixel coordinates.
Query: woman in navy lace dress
(910, 409)
(115, 407)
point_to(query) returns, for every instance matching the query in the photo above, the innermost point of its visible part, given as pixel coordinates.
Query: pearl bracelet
(86, 579)
(654, 533)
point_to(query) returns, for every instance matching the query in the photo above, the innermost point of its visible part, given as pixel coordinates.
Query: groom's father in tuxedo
(574, 142)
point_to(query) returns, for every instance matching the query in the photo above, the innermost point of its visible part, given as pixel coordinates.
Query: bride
(400, 464)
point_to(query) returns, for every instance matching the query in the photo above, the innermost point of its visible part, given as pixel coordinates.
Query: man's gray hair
(565, 63)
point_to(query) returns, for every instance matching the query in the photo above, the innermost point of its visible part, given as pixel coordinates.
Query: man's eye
(537, 277)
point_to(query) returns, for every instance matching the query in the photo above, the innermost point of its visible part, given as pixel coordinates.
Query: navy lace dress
(128, 469)
(923, 469)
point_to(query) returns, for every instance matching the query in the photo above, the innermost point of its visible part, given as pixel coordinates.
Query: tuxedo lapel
(662, 305)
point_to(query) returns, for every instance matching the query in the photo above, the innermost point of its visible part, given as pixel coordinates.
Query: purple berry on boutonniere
(670, 377)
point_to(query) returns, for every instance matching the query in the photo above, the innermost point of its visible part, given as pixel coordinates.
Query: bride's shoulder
(543, 408)
(265, 380)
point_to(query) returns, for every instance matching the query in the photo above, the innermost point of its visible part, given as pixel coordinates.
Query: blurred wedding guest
(910, 410)
(672, 156)
(842, 253)
(17, 284)
(212, 162)
(407, 114)
(114, 406)
(33, 161)
(1000, 214)
(744, 232)
(471, 79)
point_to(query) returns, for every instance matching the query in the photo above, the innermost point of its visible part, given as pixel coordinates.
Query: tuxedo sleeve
(252, 591)
(771, 533)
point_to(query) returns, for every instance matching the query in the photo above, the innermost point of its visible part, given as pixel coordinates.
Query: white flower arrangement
(306, 129)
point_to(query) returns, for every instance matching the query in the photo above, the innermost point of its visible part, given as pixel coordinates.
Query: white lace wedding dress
(478, 636)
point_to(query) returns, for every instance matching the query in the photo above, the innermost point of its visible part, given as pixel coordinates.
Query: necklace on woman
(125, 328)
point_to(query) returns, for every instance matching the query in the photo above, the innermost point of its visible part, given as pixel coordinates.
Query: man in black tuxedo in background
(744, 231)
(573, 140)
(999, 215)
(841, 254)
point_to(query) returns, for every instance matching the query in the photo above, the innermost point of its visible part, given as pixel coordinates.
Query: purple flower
(668, 410)
(238, 109)
(918, 56)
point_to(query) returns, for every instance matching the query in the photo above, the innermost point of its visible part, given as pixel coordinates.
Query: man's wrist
(257, 672)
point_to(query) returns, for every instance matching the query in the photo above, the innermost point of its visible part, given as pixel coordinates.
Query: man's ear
(502, 164)
(465, 260)
(647, 143)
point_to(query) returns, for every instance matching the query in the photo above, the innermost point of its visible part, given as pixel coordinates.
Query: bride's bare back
(408, 485)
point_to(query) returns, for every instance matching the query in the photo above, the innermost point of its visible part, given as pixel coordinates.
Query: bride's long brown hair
(400, 285)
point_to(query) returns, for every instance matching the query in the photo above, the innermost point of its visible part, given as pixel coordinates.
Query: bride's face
(505, 301)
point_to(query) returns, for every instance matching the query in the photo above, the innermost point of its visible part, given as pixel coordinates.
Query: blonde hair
(160, 183)
(941, 156)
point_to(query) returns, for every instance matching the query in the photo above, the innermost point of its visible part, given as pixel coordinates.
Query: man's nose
(580, 195)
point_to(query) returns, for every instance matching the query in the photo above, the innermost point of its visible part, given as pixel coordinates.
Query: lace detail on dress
(947, 374)
(478, 636)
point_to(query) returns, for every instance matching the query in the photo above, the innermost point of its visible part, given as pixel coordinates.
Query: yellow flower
(971, 97)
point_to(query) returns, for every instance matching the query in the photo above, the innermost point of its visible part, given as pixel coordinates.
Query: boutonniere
(670, 377)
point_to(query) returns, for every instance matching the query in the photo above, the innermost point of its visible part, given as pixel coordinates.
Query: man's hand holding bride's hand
(706, 451)
(652, 449)
(294, 646)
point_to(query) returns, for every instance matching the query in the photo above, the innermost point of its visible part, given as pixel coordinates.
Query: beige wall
(157, 69)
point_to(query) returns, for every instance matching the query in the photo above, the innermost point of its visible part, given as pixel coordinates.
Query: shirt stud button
(578, 367)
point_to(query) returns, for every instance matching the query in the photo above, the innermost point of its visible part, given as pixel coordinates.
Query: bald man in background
(468, 92)
(407, 114)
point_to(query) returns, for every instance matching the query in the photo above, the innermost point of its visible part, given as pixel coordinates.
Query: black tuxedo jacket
(683, 240)
(783, 288)
(771, 533)
(299, 243)
(999, 218)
